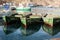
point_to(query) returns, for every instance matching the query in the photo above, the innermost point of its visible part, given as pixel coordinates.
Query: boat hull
(51, 25)
(31, 25)
(11, 24)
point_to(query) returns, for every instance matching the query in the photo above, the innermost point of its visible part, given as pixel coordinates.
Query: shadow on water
(40, 35)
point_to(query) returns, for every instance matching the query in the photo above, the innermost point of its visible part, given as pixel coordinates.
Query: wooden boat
(31, 25)
(51, 24)
(11, 24)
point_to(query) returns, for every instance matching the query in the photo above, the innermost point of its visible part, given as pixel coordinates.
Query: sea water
(40, 35)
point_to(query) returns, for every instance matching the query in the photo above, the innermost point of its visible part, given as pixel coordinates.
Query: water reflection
(40, 35)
